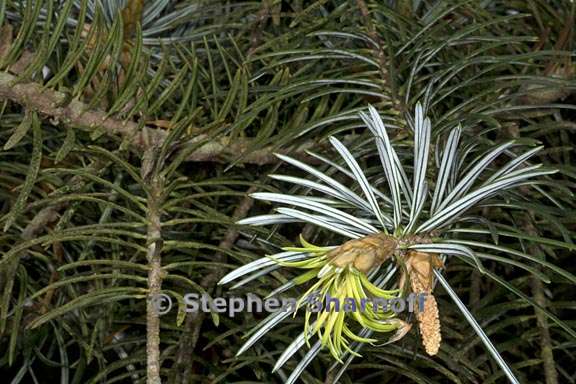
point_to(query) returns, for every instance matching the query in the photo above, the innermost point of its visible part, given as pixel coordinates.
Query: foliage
(132, 133)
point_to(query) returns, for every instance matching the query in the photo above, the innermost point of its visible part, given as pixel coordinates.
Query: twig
(256, 34)
(50, 213)
(383, 63)
(194, 321)
(330, 377)
(546, 351)
(476, 278)
(154, 240)
(77, 114)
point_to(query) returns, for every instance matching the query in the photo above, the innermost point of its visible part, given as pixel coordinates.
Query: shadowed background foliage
(132, 132)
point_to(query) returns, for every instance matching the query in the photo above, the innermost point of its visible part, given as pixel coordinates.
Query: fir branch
(76, 114)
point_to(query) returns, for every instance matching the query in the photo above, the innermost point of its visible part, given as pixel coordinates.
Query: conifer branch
(57, 106)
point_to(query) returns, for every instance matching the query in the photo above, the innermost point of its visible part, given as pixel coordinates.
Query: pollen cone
(420, 269)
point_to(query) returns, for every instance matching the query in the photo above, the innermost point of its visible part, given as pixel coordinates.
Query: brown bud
(364, 253)
(365, 262)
